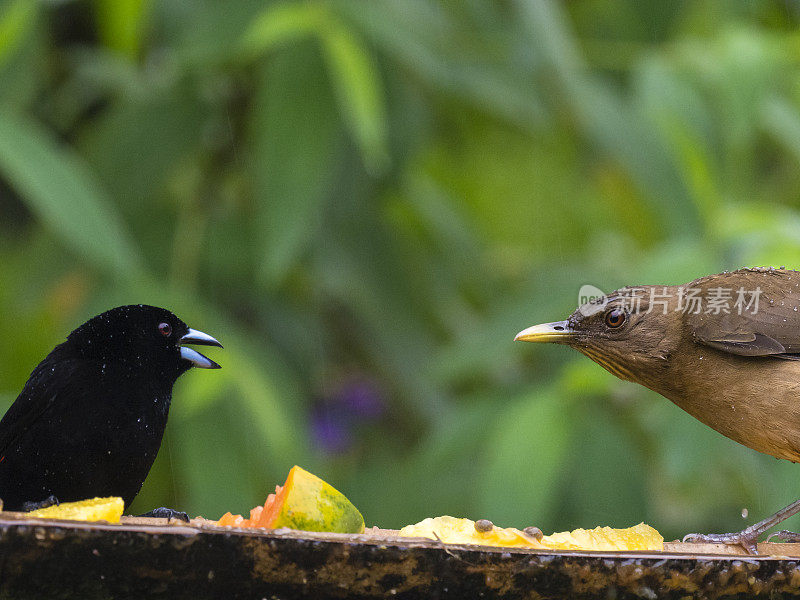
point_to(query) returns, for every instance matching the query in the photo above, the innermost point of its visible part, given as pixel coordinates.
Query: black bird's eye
(165, 329)
(615, 318)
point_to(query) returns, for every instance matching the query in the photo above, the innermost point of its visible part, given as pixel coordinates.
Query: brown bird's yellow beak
(546, 332)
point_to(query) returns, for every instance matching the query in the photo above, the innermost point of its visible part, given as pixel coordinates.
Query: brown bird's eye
(615, 318)
(165, 329)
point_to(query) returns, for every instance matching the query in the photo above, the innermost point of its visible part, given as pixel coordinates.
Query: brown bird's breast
(759, 407)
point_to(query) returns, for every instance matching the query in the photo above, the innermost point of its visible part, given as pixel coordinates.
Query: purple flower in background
(361, 398)
(330, 432)
(335, 418)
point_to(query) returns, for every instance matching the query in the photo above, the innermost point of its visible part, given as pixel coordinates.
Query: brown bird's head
(664, 336)
(631, 332)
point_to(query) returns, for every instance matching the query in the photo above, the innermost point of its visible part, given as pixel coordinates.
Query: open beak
(546, 332)
(193, 356)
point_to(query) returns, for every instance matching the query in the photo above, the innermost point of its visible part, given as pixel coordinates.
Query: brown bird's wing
(768, 326)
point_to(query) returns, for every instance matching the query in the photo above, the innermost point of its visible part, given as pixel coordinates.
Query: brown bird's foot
(166, 513)
(785, 536)
(49, 501)
(747, 538)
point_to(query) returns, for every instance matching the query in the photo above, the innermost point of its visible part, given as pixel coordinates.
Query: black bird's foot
(746, 539)
(785, 536)
(49, 501)
(166, 513)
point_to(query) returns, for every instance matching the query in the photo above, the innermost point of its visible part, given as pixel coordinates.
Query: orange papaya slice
(304, 502)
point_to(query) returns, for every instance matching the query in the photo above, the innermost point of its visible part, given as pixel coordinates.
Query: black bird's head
(142, 336)
(625, 332)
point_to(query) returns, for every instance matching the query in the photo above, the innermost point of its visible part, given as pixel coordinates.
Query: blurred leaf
(159, 131)
(548, 23)
(353, 73)
(203, 34)
(217, 472)
(295, 135)
(444, 470)
(159, 135)
(360, 93)
(622, 132)
(282, 22)
(58, 187)
(605, 465)
(266, 405)
(523, 459)
(581, 377)
(485, 162)
(782, 121)
(422, 37)
(609, 120)
(121, 24)
(773, 242)
(15, 22)
(44, 288)
(376, 291)
(697, 169)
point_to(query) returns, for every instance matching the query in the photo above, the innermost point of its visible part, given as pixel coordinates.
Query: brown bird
(725, 348)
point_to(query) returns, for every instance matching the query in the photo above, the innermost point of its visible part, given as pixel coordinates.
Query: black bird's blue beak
(193, 356)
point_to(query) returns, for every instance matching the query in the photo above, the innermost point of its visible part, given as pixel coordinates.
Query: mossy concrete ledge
(137, 559)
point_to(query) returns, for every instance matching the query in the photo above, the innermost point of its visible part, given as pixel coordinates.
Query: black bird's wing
(50, 381)
(769, 326)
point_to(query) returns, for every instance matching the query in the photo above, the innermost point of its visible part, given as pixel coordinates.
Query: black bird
(91, 416)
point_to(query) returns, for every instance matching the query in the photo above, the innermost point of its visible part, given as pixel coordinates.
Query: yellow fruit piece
(452, 530)
(97, 509)
(638, 537)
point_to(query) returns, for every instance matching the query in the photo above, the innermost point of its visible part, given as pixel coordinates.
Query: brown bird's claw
(748, 537)
(785, 536)
(745, 538)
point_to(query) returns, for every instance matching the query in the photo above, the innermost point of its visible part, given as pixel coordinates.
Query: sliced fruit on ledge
(452, 530)
(96, 509)
(304, 502)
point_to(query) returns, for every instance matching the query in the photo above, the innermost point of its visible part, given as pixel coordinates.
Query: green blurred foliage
(365, 201)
